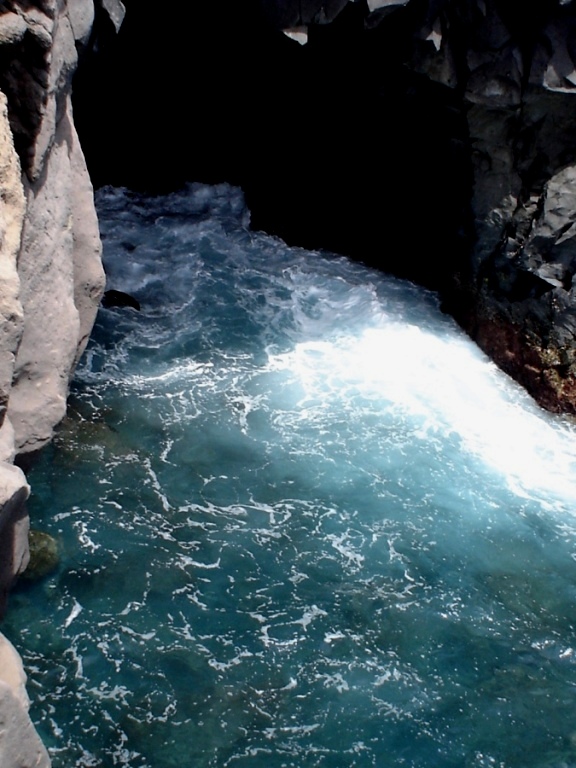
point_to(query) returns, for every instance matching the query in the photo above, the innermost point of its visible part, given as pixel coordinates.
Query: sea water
(303, 521)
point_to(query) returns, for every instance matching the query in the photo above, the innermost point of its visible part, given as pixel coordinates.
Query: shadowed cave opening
(336, 144)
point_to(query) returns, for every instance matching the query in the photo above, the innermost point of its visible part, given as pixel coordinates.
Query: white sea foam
(450, 388)
(74, 613)
(309, 615)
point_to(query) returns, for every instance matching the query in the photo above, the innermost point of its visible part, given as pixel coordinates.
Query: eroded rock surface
(61, 278)
(52, 278)
(61, 285)
(50, 287)
(14, 525)
(20, 746)
(12, 209)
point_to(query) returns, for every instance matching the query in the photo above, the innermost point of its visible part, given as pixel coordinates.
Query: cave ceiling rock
(433, 52)
(290, 14)
(550, 250)
(495, 78)
(554, 61)
(299, 34)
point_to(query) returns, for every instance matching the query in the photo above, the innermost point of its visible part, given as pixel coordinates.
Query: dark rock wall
(514, 68)
(430, 138)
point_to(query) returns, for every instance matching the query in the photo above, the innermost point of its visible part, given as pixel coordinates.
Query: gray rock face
(52, 278)
(518, 80)
(12, 211)
(14, 524)
(286, 14)
(20, 746)
(61, 285)
(61, 278)
(51, 284)
(47, 221)
(115, 10)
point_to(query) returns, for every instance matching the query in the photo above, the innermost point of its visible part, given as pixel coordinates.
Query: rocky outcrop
(52, 281)
(13, 527)
(59, 270)
(12, 212)
(20, 746)
(61, 284)
(49, 240)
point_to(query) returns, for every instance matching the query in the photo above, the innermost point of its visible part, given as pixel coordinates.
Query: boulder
(14, 491)
(20, 746)
(44, 555)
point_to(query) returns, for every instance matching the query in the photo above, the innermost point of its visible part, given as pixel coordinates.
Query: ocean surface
(303, 521)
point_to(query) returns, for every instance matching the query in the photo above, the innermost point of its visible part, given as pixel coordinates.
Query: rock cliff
(52, 281)
(50, 245)
(515, 73)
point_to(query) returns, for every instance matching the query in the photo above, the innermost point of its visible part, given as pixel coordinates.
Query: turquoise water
(303, 521)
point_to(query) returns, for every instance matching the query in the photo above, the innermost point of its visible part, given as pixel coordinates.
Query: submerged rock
(44, 555)
(114, 298)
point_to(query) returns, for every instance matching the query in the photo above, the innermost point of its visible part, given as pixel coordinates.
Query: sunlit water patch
(303, 521)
